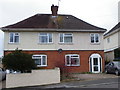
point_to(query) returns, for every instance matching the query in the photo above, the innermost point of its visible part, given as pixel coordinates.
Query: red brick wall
(56, 59)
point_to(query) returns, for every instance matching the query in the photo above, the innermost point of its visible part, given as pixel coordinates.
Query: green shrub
(18, 61)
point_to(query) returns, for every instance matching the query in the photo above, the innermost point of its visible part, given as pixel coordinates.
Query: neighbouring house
(1, 62)
(119, 11)
(57, 40)
(112, 43)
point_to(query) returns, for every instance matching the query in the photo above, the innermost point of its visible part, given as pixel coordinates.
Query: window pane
(43, 39)
(68, 60)
(16, 39)
(50, 37)
(37, 61)
(44, 60)
(11, 37)
(95, 61)
(92, 38)
(95, 68)
(96, 38)
(61, 37)
(68, 39)
(74, 61)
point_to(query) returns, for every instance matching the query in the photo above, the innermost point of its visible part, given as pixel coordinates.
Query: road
(100, 84)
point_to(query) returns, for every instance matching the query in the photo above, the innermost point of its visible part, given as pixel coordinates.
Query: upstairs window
(95, 38)
(14, 38)
(72, 60)
(40, 60)
(45, 38)
(66, 38)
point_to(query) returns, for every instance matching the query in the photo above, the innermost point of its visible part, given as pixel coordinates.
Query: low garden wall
(37, 77)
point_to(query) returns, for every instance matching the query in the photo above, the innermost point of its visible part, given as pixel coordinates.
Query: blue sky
(102, 13)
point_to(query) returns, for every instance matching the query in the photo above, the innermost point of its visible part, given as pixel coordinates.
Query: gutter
(51, 30)
(111, 33)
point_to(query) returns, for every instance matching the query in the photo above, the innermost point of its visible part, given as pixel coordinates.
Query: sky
(101, 13)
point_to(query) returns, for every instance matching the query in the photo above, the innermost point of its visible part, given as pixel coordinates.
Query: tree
(18, 61)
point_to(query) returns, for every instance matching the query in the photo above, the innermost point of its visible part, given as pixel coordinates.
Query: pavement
(82, 80)
(100, 83)
(93, 76)
(87, 81)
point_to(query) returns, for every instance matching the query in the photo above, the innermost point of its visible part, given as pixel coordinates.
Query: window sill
(95, 43)
(41, 66)
(65, 43)
(45, 43)
(14, 43)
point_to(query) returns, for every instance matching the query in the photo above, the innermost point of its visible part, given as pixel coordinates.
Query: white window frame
(63, 40)
(91, 66)
(47, 34)
(70, 55)
(95, 38)
(40, 57)
(14, 37)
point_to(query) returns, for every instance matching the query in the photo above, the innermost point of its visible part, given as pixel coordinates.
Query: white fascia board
(111, 33)
(53, 49)
(53, 30)
(111, 49)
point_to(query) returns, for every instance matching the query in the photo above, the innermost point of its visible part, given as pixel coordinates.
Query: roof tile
(59, 22)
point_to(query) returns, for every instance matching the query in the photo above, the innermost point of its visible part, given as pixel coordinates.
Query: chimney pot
(54, 10)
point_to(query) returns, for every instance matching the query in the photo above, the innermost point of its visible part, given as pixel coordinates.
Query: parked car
(2, 74)
(12, 71)
(113, 67)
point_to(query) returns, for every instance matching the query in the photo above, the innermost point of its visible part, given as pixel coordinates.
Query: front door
(95, 63)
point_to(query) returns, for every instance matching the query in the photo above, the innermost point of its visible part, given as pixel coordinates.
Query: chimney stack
(54, 10)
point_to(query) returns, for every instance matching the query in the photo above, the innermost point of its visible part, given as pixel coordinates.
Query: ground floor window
(72, 60)
(40, 60)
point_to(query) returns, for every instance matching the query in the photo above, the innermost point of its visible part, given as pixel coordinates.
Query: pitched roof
(113, 29)
(50, 22)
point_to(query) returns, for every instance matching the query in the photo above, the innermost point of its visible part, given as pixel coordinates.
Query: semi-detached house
(57, 40)
(112, 43)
